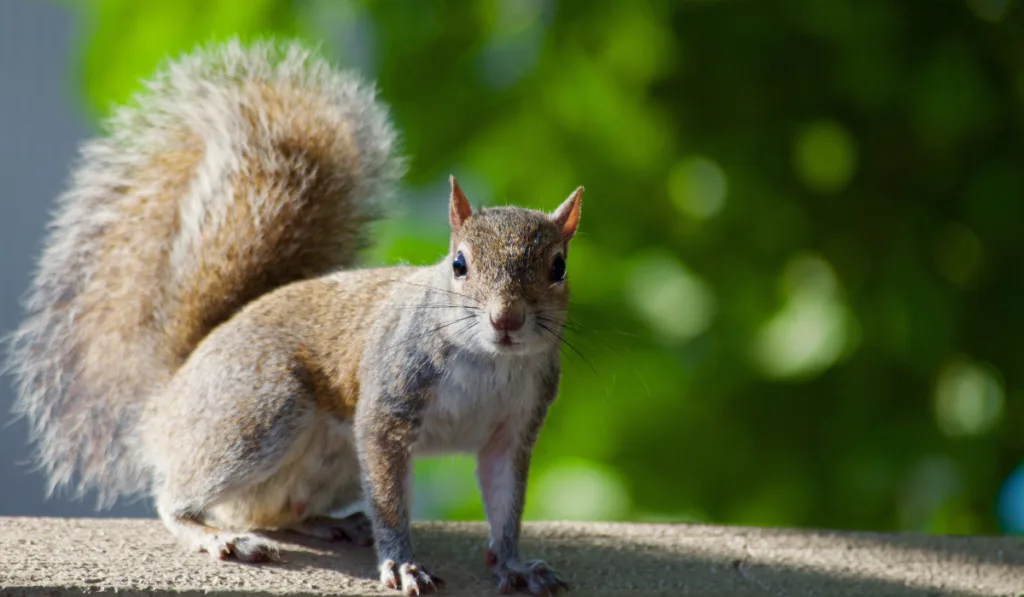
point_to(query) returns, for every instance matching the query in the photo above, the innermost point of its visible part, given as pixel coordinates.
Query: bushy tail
(238, 170)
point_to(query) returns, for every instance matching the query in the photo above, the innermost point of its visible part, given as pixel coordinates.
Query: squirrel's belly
(471, 402)
(321, 475)
(442, 435)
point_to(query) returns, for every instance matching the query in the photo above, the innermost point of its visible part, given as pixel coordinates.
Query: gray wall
(40, 127)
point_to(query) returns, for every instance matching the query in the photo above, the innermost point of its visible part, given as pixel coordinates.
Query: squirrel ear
(567, 216)
(458, 208)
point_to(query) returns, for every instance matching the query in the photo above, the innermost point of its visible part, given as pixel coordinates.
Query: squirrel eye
(558, 269)
(459, 265)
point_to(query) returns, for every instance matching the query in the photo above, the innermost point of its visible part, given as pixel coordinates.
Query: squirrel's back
(238, 170)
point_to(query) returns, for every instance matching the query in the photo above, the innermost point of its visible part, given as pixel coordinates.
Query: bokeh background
(798, 291)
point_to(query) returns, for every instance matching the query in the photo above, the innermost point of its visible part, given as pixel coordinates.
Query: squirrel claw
(409, 578)
(536, 577)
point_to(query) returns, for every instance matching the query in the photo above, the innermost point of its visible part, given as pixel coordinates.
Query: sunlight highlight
(676, 303)
(824, 156)
(697, 187)
(580, 490)
(812, 329)
(968, 398)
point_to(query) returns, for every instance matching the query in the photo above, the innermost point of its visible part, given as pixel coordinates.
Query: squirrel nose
(509, 319)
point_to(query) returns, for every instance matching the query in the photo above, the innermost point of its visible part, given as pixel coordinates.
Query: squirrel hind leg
(355, 528)
(218, 543)
(246, 547)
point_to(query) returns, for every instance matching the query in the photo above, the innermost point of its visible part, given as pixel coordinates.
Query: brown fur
(333, 320)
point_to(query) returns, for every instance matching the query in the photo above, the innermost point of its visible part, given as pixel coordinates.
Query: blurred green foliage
(798, 288)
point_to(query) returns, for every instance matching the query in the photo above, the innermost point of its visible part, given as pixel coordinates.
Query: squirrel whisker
(452, 306)
(561, 338)
(432, 331)
(451, 292)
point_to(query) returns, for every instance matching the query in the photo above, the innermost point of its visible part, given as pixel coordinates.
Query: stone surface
(40, 556)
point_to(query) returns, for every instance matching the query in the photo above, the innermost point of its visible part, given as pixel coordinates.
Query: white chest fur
(476, 395)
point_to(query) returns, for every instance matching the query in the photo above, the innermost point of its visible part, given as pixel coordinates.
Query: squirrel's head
(510, 263)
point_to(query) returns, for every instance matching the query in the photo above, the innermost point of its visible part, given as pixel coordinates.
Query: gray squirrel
(197, 330)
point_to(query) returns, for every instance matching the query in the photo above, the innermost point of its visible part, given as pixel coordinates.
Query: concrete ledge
(40, 556)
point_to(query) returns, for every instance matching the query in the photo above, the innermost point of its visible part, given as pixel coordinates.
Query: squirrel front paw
(534, 576)
(409, 578)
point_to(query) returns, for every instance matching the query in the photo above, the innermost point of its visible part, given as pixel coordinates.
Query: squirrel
(198, 330)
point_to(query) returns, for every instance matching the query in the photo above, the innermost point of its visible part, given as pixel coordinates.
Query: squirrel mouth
(506, 340)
